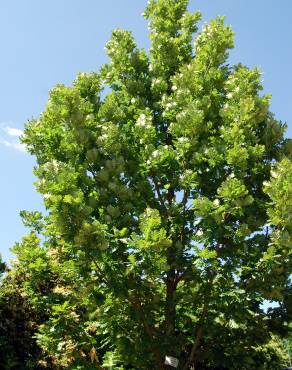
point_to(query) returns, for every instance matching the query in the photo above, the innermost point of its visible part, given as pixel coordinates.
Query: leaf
(93, 355)
(132, 259)
(206, 253)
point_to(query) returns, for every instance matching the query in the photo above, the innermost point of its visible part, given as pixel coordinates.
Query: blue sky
(48, 42)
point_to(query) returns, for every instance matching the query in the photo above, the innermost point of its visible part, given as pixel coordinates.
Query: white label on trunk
(172, 361)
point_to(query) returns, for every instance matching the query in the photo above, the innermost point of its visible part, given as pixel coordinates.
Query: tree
(18, 324)
(169, 205)
(2, 266)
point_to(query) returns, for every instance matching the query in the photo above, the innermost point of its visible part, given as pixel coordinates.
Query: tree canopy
(168, 188)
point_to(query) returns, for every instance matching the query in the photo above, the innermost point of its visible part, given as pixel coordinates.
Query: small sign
(172, 361)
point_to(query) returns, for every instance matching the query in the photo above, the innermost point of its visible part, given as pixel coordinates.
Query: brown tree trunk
(170, 308)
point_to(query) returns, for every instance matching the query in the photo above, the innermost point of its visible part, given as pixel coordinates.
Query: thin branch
(185, 199)
(184, 203)
(149, 330)
(159, 194)
(180, 277)
(100, 273)
(197, 341)
(194, 348)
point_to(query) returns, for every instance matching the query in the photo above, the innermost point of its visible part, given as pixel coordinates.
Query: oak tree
(168, 189)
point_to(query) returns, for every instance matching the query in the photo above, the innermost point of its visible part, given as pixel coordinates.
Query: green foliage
(18, 323)
(168, 208)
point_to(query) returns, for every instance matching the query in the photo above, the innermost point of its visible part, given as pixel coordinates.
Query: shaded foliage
(18, 324)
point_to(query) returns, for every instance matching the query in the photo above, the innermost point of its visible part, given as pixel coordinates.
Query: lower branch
(194, 349)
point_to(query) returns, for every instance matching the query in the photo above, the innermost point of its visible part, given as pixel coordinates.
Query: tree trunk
(170, 310)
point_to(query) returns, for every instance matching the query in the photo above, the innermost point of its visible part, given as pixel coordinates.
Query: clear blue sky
(48, 42)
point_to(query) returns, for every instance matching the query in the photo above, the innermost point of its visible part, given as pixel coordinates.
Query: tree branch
(197, 341)
(194, 348)
(149, 330)
(180, 277)
(159, 195)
